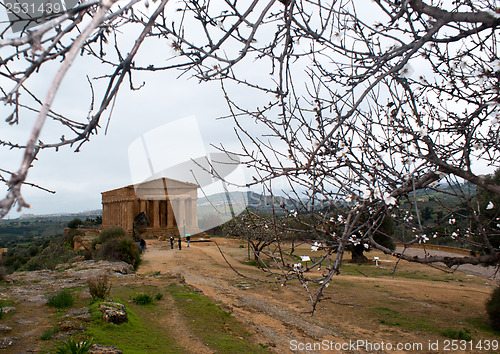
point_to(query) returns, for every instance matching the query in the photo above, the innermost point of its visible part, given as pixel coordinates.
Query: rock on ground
(101, 349)
(113, 312)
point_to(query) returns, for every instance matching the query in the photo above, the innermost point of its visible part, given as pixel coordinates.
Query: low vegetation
(27, 252)
(215, 326)
(39, 243)
(73, 346)
(143, 299)
(139, 335)
(49, 333)
(99, 287)
(493, 309)
(122, 249)
(62, 299)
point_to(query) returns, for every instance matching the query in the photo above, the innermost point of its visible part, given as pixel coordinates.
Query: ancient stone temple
(170, 206)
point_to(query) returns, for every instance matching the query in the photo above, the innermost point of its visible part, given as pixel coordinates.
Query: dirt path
(203, 267)
(278, 315)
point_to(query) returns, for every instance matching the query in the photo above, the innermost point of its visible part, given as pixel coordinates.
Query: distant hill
(241, 200)
(62, 216)
(257, 201)
(249, 198)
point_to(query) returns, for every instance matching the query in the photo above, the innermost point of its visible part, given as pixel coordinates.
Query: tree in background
(486, 217)
(73, 224)
(259, 231)
(383, 236)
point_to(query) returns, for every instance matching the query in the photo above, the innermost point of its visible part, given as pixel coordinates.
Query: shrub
(159, 296)
(14, 262)
(52, 255)
(87, 255)
(70, 235)
(49, 333)
(462, 334)
(113, 232)
(3, 273)
(493, 308)
(99, 287)
(33, 250)
(120, 250)
(73, 346)
(62, 299)
(143, 299)
(73, 224)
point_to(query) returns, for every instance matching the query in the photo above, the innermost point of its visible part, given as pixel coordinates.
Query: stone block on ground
(71, 325)
(6, 342)
(113, 312)
(4, 328)
(81, 314)
(8, 309)
(102, 349)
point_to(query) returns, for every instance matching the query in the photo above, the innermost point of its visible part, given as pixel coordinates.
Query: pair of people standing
(188, 239)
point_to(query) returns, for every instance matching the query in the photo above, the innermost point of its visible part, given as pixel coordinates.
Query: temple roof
(156, 187)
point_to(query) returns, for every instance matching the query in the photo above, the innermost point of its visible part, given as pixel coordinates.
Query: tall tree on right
(486, 217)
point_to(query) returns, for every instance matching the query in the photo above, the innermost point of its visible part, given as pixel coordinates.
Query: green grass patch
(137, 336)
(143, 299)
(462, 334)
(214, 326)
(256, 263)
(49, 333)
(482, 325)
(62, 299)
(5, 303)
(392, 317)
(386, 310)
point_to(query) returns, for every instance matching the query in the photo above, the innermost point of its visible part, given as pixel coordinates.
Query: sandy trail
(203, 267)
(277, 315)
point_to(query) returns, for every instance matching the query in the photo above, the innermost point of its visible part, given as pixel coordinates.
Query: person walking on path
(188, 239)
(180, 246)
(172, 242)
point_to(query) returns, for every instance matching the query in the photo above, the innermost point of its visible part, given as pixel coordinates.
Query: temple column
(189, 212)
(182, 216)
(163, 213)
(149, 212)
(129, 208)
(194, 214)
(136, 207)
(177, 213)
(170, 214)
(156, 214)
(121, 207)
